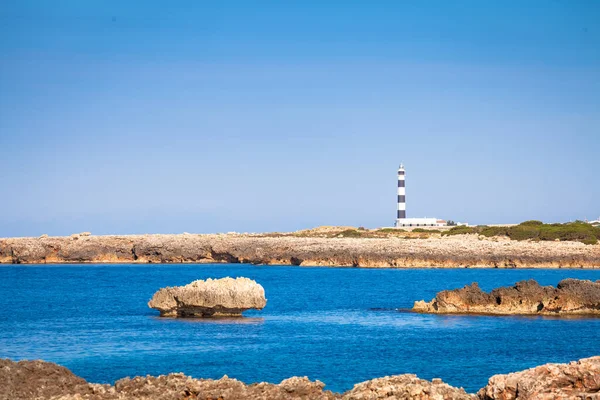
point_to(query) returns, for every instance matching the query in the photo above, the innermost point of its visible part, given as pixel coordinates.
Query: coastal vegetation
(535, 230)
(423, 230)
(351, 233)
(529, 230)
(390, 230)
(419, 233)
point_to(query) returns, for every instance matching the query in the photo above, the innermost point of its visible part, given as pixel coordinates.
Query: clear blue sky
(197, 116)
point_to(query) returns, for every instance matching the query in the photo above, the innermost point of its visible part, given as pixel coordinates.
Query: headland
(326, 246)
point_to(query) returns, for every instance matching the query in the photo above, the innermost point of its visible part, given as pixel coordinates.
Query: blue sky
(166, 117)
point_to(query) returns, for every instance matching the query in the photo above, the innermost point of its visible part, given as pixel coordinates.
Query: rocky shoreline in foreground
(417, 251)
(44, 380)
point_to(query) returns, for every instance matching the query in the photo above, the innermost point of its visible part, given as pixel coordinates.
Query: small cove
(338, 325)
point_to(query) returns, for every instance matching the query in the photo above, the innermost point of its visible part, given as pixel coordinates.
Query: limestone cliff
(440, 252)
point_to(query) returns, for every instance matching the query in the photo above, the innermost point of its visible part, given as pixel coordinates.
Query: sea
(338, 325)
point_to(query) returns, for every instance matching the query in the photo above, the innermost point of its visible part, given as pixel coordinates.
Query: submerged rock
(210, 298)
(570, 297)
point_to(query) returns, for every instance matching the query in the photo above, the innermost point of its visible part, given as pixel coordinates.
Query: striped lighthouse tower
(401, 194)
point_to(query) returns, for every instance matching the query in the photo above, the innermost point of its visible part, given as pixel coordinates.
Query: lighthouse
(401, 220)
(401, 194)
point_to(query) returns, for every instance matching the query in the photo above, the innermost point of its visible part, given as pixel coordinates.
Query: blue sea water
(338, 325)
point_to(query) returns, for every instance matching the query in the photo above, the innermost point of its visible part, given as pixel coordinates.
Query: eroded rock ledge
(226, 297)
(569, 297)
(575, 380)
(43, 380)
(440, 252)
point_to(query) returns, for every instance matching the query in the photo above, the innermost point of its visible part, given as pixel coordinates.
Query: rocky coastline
(43, 380)
(416, 251)
(226, 297)
(569, 297)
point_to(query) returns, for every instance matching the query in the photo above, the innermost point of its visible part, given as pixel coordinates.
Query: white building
(420, 222)
(401, 219)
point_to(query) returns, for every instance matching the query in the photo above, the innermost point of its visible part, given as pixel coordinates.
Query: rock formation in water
(441, 252)
(570, 297)
(210, 298)
(41, 380)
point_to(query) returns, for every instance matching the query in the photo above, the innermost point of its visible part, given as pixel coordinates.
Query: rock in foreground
(570, 297)
(38, 380)
(576, 380)
(210, 298)
(405, 387)
(43, 380)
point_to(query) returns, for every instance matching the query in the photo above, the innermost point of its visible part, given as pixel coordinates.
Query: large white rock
(210, 298)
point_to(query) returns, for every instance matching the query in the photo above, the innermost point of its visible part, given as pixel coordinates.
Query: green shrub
(423, 230)
(490, 231)
(532, 222)
(389, 230)
(523, 232)
(536, 231)
(459, 230)
(550, 231)
(571, 231)
(350, 233)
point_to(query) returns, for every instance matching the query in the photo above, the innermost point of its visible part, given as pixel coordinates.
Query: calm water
(336, 325)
